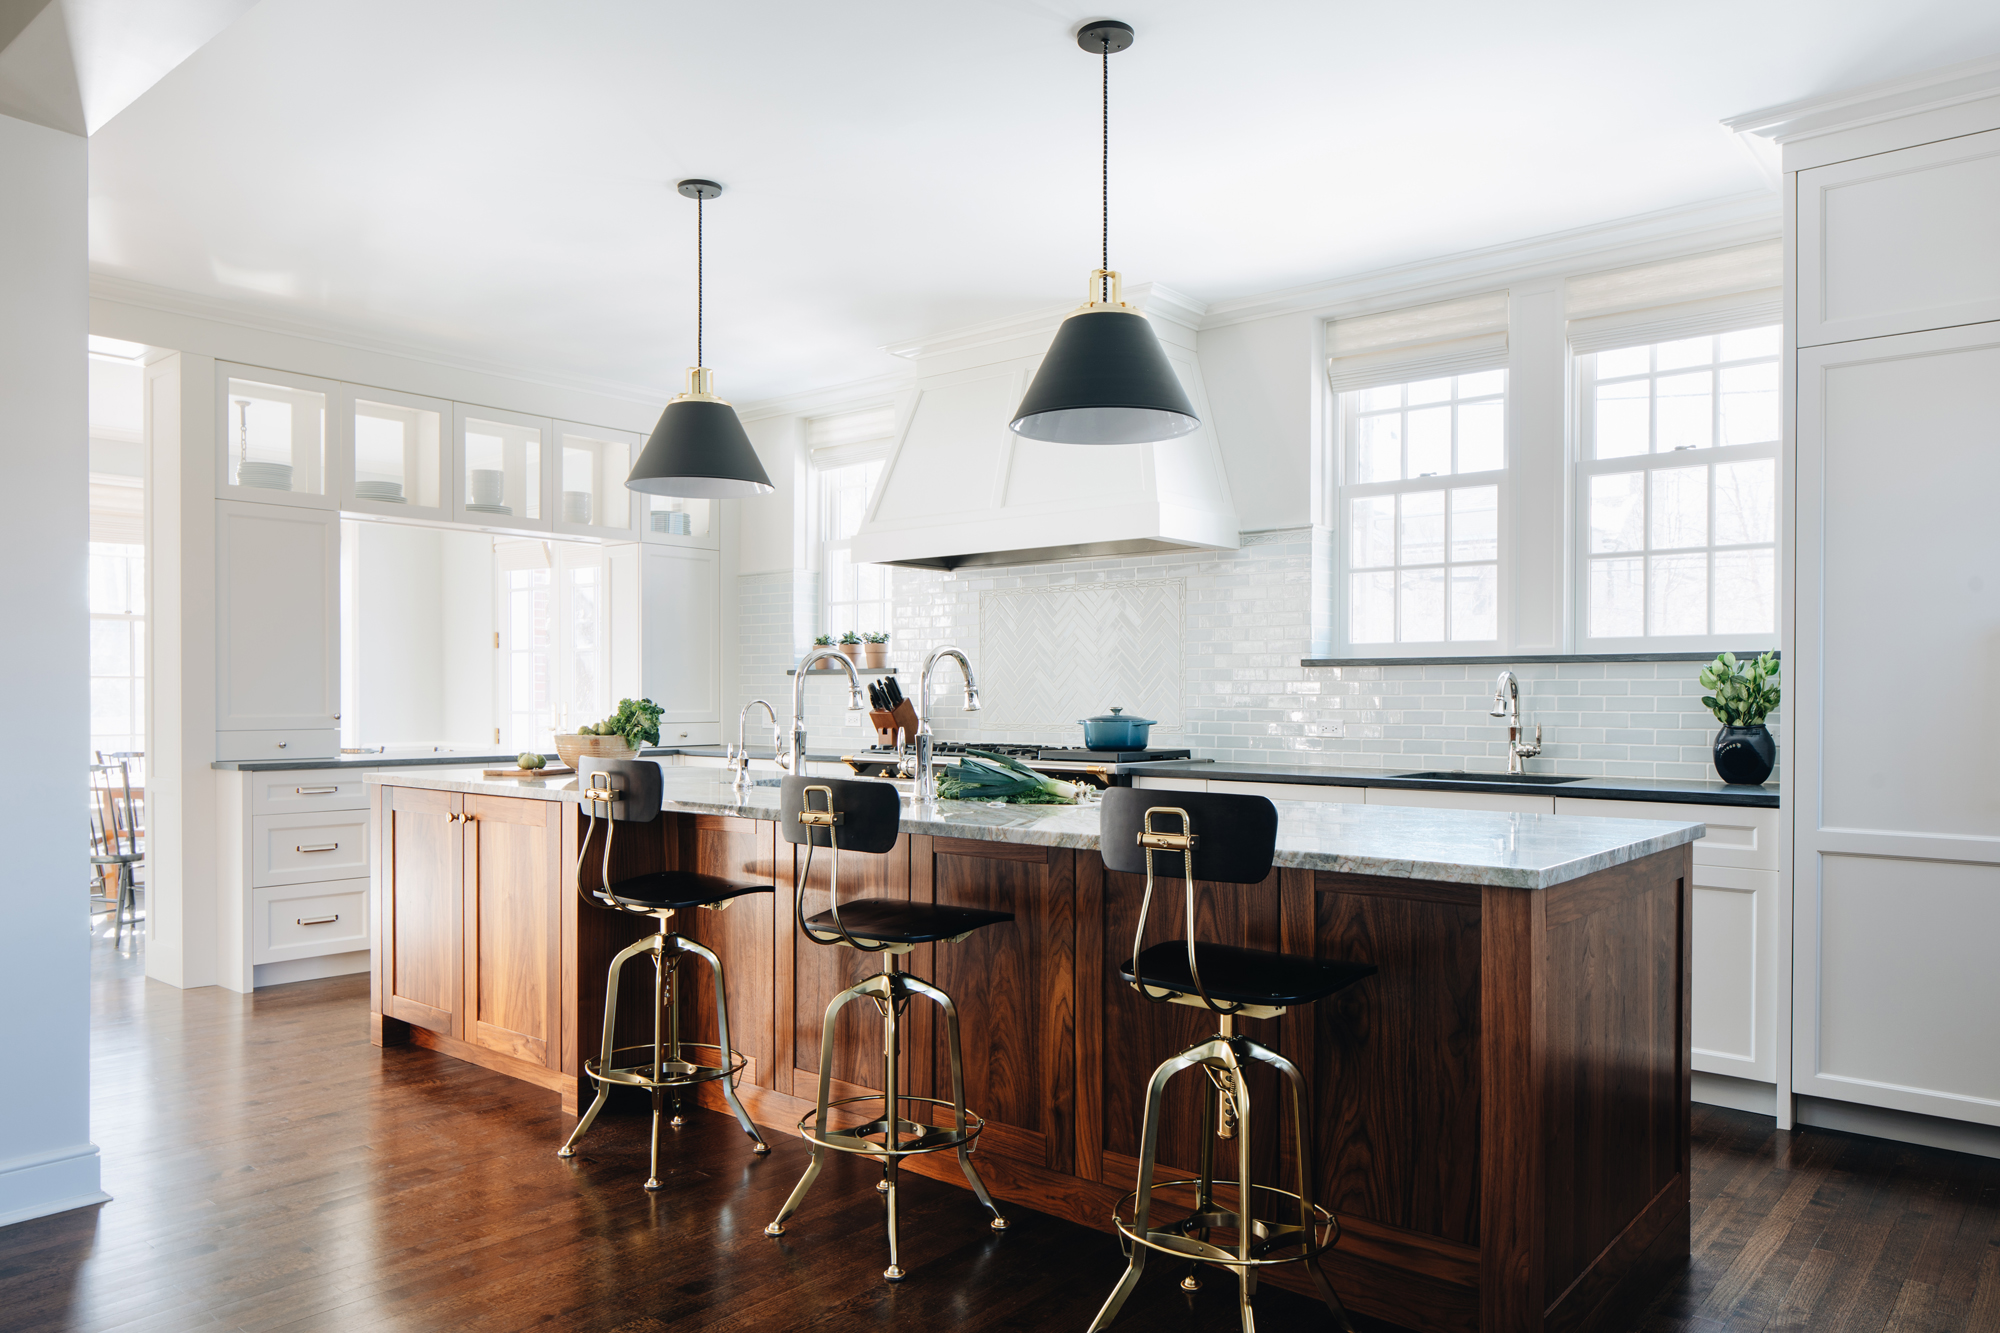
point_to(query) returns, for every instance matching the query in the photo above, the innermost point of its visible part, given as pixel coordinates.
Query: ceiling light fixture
(699, 449)
(1105, 380)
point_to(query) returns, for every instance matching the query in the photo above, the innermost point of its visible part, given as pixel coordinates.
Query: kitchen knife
(893, 690)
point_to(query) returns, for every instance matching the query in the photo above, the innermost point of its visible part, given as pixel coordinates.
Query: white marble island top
(1402, 842)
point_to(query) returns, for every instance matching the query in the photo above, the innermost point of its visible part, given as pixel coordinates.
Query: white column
(47, 1162)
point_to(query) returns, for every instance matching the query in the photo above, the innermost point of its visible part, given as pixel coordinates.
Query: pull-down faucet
(1507, 704)
(926, 776)
(739, 758)
(795, 760)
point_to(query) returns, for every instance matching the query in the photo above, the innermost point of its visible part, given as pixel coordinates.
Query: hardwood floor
(271, 1170)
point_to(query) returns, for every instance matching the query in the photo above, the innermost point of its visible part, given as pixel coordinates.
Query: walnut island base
(1502, 1112)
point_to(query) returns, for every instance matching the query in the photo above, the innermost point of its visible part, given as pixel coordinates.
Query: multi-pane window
(1678, 488)
(528, 606)
(117, 648)
(1425, 463)
(853, 596)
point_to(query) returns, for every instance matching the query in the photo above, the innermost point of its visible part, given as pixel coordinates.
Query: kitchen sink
(1520, 779)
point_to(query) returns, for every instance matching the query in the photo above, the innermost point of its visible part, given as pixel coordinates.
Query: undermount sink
(1524, 779)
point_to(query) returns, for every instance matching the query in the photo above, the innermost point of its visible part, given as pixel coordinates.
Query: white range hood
(962, 489)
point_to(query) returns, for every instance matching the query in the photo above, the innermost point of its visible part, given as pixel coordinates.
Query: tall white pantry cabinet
(1894, 661)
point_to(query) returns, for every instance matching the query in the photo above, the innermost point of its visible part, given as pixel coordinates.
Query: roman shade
(848, 437)
(1717, 292)
(1457, 337)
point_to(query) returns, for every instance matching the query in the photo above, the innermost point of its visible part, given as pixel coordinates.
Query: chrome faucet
(1507, 704)
(794, 761)
(926, 775)
(739, 757)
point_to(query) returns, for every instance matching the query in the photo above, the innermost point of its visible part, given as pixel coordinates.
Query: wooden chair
(116, 845)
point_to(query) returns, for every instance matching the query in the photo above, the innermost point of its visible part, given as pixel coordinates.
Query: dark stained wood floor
(270, 1170)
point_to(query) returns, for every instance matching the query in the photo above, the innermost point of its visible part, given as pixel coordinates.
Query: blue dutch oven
(1115, 731)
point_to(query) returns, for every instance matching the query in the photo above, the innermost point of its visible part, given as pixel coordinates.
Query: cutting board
(552, 771)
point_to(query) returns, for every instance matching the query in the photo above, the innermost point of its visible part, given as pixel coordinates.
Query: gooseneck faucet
(1507, 704)
(739, 758)
(795, 760)
(926, 775)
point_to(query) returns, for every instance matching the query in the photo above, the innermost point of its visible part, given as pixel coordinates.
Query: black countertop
(1689, 791)
(463, 759)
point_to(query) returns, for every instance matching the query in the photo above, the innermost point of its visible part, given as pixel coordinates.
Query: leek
(981, 776)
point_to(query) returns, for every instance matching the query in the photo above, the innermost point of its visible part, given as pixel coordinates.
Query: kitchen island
(1501, 1112)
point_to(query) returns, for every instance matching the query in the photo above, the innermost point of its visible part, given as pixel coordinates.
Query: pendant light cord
(698, 267)
(1104, 262)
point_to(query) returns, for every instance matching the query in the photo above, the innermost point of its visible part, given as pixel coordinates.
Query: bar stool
(627, 791)
(1230, 839)
(854, 816)
(117, 846)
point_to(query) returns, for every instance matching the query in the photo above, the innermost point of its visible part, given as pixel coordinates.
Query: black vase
(1745, 755)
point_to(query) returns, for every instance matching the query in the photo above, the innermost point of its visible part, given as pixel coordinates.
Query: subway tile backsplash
(1232, 681)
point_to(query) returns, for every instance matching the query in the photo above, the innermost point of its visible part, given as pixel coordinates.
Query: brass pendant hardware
(1102, 293)
(701, 387)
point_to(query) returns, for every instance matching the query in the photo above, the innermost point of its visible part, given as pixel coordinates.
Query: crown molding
(849, 396)
(1873, 103)
(1713, 224)
(187, 305)
(1155, 300)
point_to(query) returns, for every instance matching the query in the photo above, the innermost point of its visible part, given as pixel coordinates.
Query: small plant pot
(852, 651)
(1745, 755)
(876, 655)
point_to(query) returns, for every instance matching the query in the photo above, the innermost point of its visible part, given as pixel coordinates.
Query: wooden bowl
(572, 748)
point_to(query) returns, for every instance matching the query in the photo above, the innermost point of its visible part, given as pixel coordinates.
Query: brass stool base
(1267, 1236)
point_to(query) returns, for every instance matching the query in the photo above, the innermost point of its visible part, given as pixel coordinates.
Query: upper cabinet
(503, 462)
(678, 522)
(393, 454)
(591, 466)
(272, 444)
(1899, 242)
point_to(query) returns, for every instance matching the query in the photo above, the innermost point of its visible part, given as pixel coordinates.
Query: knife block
(903, 719)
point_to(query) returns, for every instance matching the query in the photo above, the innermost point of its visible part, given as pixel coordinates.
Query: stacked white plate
(488, 486)
(490, 509)
(385, 492)
(576, 506)
(264, 476)
(674, 521)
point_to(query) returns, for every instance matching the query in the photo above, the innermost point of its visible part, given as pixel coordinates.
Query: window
(117, 647)
(555, 664)
(848, 453)
(527, 609)
(1425, 465)
(1677, 490)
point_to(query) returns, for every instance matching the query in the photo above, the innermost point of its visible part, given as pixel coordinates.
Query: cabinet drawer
(303, 848)
(308, 920)
(289, 744)
(690, 733)
(1295, 791)
(1744, 837)
(1463, 800)
(307, 789)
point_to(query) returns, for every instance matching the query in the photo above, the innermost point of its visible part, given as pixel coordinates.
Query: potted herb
(823, 641)
(875, 648)
(1741, 699)
(850, 643)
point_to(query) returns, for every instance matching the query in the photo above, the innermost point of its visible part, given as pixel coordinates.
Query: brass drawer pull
(319, 920)
(317, 847)
(316, 791)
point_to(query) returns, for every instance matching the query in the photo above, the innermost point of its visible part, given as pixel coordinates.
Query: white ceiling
(492, 179)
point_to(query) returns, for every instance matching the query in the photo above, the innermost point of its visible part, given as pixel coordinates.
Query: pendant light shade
(699, 450)
(1106, 379)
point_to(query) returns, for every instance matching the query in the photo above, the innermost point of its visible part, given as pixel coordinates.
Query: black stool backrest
(869, 813)
(637, 781)
(1235, 836)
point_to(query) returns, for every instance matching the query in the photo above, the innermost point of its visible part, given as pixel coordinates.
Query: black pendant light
(699, 449)
(1105, 379)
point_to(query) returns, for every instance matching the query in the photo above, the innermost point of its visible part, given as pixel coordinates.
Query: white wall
(466, 621)
(47, 1162)
(1263, 386)
(398, 633)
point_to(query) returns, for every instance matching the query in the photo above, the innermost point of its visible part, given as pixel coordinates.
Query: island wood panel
(513, 974)
(1013, 987)
(422, 907)
(742, 852)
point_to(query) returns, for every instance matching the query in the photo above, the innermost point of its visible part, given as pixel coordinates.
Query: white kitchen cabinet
(1506, 801)
(1296, 791)
(300, 921)
(680, 598)
(392, 454)
(303, 847)
(590, 470)
(292, 862)
(503, 469)
(277, 617)
(1899, 242)
(1187, 784)
(677, 521)
(272, 437)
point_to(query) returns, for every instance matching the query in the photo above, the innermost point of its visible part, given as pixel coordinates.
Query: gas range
(1092, 766)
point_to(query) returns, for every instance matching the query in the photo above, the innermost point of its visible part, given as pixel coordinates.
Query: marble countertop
(1452, 846)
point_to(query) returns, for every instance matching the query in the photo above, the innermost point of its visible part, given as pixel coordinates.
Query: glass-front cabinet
(396, 454)
(272, 436)
(678, 521)
(502, 469)
(592, 463)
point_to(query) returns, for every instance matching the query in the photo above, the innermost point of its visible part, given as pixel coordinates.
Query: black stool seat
(891, 921)
(671, 890)
(1244, 976)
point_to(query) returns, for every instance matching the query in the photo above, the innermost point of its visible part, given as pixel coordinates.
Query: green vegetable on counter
(981, 776)
(529, 759)
(637, 720)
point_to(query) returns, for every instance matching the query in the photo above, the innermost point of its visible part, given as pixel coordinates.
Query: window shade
(511, 554)
(1419, 343)
(117, 510)
(1718, 292)
(850, 436)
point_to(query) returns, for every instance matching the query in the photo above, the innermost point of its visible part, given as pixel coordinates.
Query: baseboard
(1903, 1126)
(1738, 1094)
(309, 969)
(39, 1184)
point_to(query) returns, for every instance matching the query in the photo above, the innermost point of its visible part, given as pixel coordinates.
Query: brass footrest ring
(1268, 1235)
(675, 1073)
(921, 1138)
